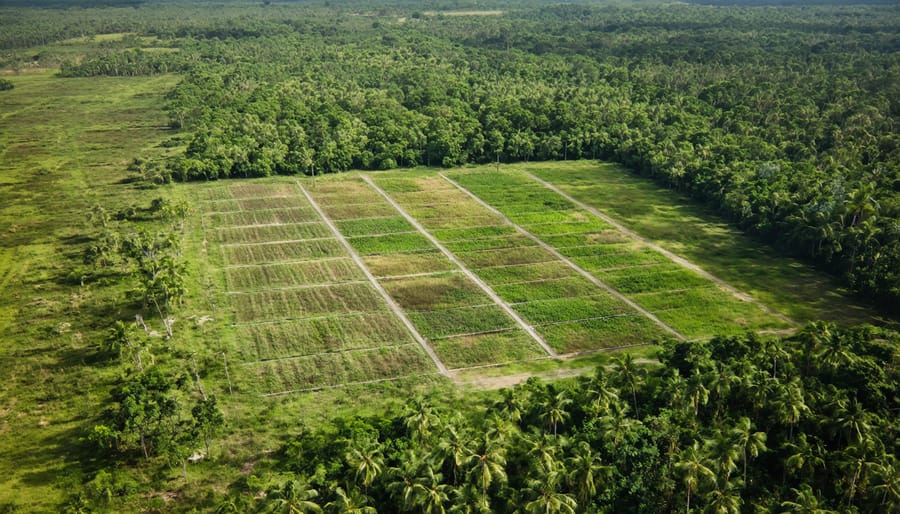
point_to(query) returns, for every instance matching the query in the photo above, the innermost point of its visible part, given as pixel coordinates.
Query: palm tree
(836, 352)
(543, 450)
(601, 393)
(805, 502)
(454, 446)
(630, 375)
(723, 500)
(791, 405)
(751, 443)
(853, 421)
(586, 471)
(547, 498)
(697, 391)
(487, 465)
(694, 471)
(856, 460)
(292, 496)
(805, 457)
(553, 410)
(367, 462)
(419, 419)
(431, 493)
(352, 503)
(510, 405)
(887, 483)
(617, 424)
(724, 452)
(402, 480)
(720, 384)
(774, 351)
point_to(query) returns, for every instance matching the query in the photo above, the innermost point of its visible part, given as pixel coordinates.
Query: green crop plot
(474, 232)
(267, 233)
(275, 202)
(565, 287)
(262, 217)
(247, 278)
(542, 312)
(465, 320)
(525, 273)
(263, 190)
(280, 251)
(390, 243)
(426, 293)
(506, 257)
(491, 243)
(352, 211)
(333, 369)
(612, 332)
(395, 265)
(492, 348)
(374, 226)
(310, 301)
(621, 262)
(265, 341)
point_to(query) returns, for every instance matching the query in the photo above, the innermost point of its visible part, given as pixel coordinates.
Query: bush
(6, 85)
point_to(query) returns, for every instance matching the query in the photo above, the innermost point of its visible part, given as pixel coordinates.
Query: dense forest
(739, 424)
(785, 120)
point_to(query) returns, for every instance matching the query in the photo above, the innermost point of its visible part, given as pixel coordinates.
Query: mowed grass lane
(304, 314)
(680, 297)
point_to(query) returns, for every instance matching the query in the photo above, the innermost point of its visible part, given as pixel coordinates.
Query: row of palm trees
(725, 426)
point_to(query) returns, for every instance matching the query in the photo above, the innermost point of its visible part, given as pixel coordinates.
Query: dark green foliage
(716, 420)
(6, 85)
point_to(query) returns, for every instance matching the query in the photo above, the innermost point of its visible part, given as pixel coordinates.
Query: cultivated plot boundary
(596, 281)
(465, 270)
(670, 255)
(378, 287)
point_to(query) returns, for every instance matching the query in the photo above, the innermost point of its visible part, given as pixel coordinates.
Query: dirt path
(387, 298)
(596, 281)
(675, 258)
(447, 253)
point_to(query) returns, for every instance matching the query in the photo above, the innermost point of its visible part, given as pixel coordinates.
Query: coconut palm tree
(629, 375)
(367, 462)
(586, 472)
(487, 465)
(546, 496)
(293, 495)
(554, 410)
(805, 502)
(431, 493)
(723, 451)
(751, 443)
(724, 500)
(694, 471)
(349, 503)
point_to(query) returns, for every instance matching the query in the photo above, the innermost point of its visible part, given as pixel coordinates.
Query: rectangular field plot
(275, 252)
(490, 243)
(473, 232)
(396, 265)
(464, 320)
(566, 287)
(601, 333)
(273, 202)
(525, 273)
(653, 278)
(266, 233)
(246, 278)
(258, 190)
(339, 212)
(222, 205)
(307, 302)
(395, 184)
(262, 217)
(342, 192)
(493, 348)
(573, 227)
(374, 226)
(598, 258)
(508, 257)
(604, 237)
(707, 311)
(432, 292)
(334, 369)
(455, 222)
(390, 243)
(542, 312)
(318, 335)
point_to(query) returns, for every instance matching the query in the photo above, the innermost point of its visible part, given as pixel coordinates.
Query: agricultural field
(690, 304)
(303, 312)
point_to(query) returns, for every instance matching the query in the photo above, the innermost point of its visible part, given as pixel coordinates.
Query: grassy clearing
(605, 237)
(477, 350)
(64, 146)
(396, 265)
(319, 335)
(262, 234)
(653, 278)
(275, 252)
(687, 228)
(340, 212)
(333, 369)
(307, 302)
(292, 274)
